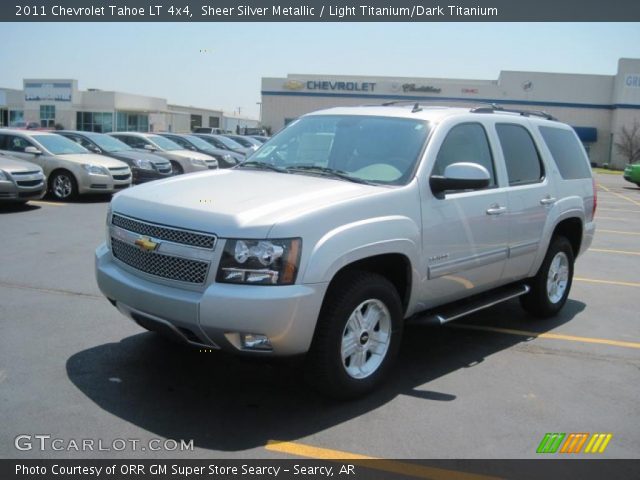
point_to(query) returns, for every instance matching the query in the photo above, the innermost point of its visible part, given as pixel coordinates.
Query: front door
(465, 233)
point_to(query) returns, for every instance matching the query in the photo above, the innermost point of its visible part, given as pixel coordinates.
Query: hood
(93, 159)
(138, 155)
(9, 164)
(234, 203)
(189, 154)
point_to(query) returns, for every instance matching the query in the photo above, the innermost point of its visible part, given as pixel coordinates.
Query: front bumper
(90, 183)
(144, 175)
(11, 192)
(217, 316)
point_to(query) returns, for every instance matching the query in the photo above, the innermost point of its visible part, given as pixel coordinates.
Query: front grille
(121, 177)
(120, 186)
(29, 183)
(98, 185)
(17, 174)
(118, 169)
(165, 266)
(184, 237)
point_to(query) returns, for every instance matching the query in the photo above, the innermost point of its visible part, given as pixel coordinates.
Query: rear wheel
(551, 285)
(357, 336)
(63, 185)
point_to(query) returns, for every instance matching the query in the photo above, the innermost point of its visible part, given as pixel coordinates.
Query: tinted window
(520, 154)
(465, 143)
(567, 152)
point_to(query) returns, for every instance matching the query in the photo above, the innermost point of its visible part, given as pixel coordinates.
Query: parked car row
(67, 163)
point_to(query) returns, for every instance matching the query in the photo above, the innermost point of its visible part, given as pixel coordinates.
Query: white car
(348, 223)
(70, 168)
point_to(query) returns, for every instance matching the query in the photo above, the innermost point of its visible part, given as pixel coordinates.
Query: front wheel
(177, 168)
(357, 336)
(63, 185)
(551, 285)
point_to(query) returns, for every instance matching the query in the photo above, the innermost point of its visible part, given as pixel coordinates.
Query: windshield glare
(164, 143)
(59, 145)
(376, 149)
(108, 143)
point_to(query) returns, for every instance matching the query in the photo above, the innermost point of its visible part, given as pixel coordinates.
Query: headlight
(198, 162)
(260, 262)
(95, 169)
(3, 177)
(143, 164)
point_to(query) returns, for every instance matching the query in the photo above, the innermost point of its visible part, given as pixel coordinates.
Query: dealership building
(597, 106)
(50, 102)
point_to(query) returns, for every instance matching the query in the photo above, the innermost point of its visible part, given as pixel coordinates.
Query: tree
(628, 144)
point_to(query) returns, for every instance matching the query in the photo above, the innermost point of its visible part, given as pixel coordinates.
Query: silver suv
(348, 223)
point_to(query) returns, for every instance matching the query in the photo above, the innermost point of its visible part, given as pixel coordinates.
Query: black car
(144, 166)
(224, 143)
(226, 158)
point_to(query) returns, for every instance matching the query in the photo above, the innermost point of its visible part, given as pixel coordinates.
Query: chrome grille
(165, 266)
(184, 237)
(35, 172)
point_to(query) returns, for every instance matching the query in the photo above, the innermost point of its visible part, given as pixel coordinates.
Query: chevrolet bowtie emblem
(146, 244)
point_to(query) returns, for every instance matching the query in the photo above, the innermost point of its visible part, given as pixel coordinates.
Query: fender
(362, 239)
(569, 207)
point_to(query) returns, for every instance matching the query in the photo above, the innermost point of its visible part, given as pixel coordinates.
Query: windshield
(59, 145)
(373, 149)
(229, 143)
(108, 143)
(198, 142)
(164, 143)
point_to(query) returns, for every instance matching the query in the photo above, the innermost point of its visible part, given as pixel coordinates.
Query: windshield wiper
(331, 172)
(263, 165)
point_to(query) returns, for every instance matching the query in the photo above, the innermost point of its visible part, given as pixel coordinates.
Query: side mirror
(460, 176)
(151, 148)
(33, 151)
(95, 149)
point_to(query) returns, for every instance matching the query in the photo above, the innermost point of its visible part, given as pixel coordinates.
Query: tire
(63, 185)
(339, 330)
(177, 168)
(551, 285)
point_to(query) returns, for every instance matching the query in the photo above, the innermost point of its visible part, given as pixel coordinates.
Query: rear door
(531, 195)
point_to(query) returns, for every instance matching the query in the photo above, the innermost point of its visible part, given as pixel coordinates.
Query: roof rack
(525, 113)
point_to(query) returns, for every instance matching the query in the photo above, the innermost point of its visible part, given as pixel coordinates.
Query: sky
(220, 65)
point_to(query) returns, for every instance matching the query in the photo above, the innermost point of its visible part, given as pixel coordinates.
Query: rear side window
(520, 154)
(567, 152)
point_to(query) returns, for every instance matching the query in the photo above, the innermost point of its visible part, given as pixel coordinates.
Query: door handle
(548, 200)
(496, 209)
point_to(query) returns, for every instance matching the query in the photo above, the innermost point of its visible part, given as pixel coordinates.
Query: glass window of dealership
(55, 103)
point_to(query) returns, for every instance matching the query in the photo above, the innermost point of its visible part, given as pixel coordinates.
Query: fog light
(253, 341)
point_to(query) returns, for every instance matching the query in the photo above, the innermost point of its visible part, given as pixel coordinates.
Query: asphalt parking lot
(487, 386)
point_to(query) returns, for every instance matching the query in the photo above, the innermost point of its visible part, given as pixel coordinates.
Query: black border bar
(320, 11)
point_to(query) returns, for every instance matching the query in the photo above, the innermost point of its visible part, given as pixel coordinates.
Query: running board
(474, 304)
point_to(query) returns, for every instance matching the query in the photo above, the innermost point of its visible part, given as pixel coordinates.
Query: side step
(458, 309)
